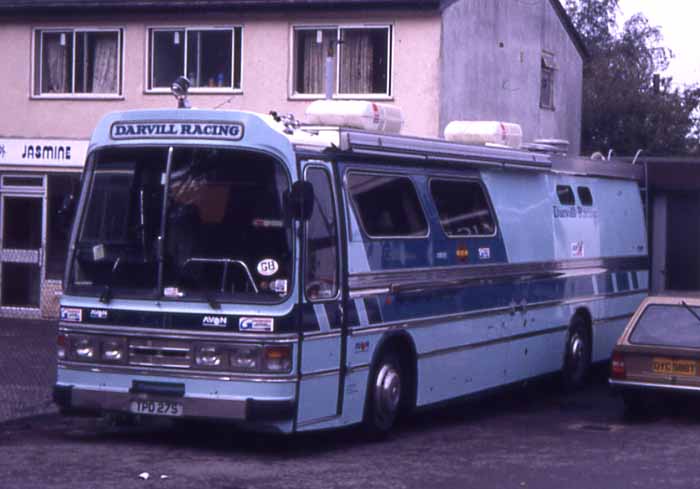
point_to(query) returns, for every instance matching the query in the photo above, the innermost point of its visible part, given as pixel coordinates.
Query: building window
(548, 69)
(78, 62)
(361, 60)
(209, 58)
(387, 205)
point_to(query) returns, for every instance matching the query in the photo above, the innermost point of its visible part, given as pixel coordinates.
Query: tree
(627, 105)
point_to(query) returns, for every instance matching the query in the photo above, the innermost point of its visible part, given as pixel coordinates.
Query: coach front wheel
(385, 391)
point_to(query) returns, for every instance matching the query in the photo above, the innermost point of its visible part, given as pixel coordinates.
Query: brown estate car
(659, 350)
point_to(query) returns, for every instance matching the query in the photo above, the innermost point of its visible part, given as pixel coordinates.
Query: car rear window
(668, 325)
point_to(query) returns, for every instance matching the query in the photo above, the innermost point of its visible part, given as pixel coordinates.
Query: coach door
(22, 236)
(322, 344)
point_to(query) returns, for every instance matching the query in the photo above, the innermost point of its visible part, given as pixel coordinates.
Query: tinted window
(668, 325)
(387, 206)
(566, 195)
(59, 220)
(462, 207)
(584, 195)
(321, 235)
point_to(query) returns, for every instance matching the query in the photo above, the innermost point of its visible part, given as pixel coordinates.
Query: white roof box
(485, 132)
(358, 114)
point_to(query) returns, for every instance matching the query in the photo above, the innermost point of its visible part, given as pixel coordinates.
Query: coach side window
(322, 238)
(463, 208)
(387, 205)
(585, 196)
(566, 195)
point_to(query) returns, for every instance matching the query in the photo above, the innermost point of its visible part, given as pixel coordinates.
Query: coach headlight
(113, 350)
(210, 356)
(244, 357)
(83, 348)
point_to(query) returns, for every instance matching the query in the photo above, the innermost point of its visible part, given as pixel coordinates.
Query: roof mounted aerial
(179, 89)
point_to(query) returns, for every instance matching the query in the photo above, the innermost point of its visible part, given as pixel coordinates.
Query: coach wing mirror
(300, 201)
(66, 211)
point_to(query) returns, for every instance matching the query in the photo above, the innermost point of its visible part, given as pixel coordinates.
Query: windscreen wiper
(691, 311)
(106, 295)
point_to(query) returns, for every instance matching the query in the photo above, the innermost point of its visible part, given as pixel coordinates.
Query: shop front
(37, 178)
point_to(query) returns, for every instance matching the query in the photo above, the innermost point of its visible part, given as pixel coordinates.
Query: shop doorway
(22, 237)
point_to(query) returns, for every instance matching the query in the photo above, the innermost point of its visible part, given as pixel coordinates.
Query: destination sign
(229, 131)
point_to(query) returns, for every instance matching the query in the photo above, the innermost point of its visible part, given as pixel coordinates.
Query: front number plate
(156, 408)
(670, 366)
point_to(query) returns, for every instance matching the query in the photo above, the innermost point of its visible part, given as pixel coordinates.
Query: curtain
(55, 76)
(313, 60)
(105, 66)
(357, 62)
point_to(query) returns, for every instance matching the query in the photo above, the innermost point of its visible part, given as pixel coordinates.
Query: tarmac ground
(27, 367)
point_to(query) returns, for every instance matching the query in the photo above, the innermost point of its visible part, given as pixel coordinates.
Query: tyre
(385, 394)
(577, 358)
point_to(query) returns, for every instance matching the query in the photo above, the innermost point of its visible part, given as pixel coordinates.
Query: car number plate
(156, 408)
(671, 366)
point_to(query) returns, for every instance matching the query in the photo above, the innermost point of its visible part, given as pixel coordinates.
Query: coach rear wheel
(577, 361)
(385, 394)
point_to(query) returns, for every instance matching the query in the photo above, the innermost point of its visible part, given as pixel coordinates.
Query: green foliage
(624, 107)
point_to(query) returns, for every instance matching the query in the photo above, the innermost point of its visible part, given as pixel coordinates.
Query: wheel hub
(387, 392)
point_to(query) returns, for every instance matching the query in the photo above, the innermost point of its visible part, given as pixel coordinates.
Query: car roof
(675, 297)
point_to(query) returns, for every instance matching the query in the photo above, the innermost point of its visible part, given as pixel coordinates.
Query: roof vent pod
(492, 133)
(357, 114)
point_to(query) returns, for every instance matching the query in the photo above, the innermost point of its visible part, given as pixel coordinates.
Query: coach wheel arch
(578, 350)
(391, 386)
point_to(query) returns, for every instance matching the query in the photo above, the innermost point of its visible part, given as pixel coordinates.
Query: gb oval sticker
(268, 267)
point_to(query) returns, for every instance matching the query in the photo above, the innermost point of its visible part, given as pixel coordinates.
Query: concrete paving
(27, 367)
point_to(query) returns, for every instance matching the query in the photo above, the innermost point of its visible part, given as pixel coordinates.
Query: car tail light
(617, 365)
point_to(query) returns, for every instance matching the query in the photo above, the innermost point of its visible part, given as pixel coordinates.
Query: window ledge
(87, 97)
(198, 91)
(379, 97)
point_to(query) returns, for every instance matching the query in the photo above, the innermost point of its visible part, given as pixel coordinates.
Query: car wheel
(386, 389)
(577, 359)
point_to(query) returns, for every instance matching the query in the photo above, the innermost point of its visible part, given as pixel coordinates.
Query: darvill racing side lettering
(231, 131)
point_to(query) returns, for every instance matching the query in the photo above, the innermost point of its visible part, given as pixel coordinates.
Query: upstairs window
(78, 62)
(209, 58)
(387, 205)
(463, 208)
(548, 69)
(361, 60)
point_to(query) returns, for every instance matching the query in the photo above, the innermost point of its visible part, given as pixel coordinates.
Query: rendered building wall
(491, 68)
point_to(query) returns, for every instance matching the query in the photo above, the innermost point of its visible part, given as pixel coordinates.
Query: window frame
(37, 58)
(311, 165)
(338, 27)
(548, 68)
(480, 184)
(149, 87)
(360, 221)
